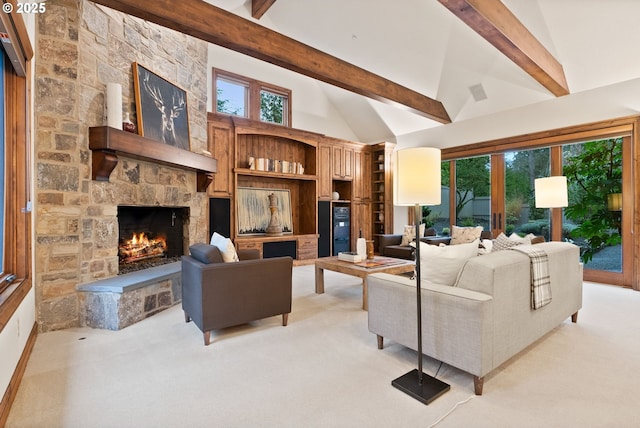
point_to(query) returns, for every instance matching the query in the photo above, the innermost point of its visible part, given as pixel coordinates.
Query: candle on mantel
(114, 105)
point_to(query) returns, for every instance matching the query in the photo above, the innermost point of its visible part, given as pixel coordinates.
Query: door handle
(500, 221)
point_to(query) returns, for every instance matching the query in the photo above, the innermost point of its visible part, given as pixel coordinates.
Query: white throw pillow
(442, 264)
(409, 234)
(463, 235)
(225, 246)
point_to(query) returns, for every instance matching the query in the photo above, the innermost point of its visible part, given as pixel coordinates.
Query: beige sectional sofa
(486, 317)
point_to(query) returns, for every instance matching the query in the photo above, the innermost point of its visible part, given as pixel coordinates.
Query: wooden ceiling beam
(214, 25)
(496, 24)
(259, 7)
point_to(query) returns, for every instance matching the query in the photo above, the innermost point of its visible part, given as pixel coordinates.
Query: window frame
(252, 107)
(17, 254)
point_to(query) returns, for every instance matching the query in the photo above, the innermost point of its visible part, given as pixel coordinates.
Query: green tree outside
(593, 171)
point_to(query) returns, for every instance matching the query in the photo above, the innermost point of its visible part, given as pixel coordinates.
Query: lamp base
(430, 389)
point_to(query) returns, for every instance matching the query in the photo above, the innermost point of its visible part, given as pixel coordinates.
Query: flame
(140, 247)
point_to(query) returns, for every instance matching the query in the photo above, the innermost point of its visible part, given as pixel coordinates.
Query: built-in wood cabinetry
(382, 190)
(330, 165)
(342, 161)
(235, 141)
(221, 145)
(325, 176)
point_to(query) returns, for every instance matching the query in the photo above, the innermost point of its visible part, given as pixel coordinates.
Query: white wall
(311, 111)
(14, 337)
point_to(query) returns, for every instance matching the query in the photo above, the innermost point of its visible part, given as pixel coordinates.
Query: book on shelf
(351, 257)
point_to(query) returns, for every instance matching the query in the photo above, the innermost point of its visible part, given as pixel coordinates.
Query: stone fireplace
(82, 47)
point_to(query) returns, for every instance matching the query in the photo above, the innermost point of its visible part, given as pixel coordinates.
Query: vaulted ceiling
(423, 46)
(492, 77)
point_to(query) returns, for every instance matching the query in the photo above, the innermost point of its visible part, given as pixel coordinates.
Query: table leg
(365, 294)
(319, 280)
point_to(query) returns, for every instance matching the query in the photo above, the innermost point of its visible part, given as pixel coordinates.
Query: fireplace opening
(151, 236)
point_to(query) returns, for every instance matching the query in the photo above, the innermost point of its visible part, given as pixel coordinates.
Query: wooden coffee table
(361, 270)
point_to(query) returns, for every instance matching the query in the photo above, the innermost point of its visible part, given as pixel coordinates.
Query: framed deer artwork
(161, 108)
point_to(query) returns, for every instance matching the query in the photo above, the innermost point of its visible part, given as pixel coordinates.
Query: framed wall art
(161, 108)
(254, 215)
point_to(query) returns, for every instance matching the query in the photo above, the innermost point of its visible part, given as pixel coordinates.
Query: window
(2, 176)
(272, 106)
(240, 96)
(232, 96)
(15, 256)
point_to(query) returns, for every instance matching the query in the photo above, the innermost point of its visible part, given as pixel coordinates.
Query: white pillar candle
(114, 105)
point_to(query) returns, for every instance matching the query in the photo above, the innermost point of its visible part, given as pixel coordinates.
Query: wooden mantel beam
(259, 7)
(493, 21)
(214, 25)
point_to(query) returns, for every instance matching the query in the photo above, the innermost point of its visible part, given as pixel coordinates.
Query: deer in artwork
(169, 110)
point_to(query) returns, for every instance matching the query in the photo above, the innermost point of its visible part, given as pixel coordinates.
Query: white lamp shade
(417, 176)
(551, 192)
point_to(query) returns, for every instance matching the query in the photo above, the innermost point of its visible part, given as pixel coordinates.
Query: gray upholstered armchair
(216, 295)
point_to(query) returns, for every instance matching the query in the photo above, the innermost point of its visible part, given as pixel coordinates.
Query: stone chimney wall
(80, 47)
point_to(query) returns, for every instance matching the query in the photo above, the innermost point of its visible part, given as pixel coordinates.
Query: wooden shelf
(256, 173)
(107, 143)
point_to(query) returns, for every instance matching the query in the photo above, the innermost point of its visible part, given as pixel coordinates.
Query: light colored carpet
(324, 370)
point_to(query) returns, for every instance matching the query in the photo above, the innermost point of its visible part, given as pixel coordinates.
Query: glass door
(597, 218)
(521, 216)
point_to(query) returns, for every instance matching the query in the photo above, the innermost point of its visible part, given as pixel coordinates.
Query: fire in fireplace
(141, 247)
(150, 236)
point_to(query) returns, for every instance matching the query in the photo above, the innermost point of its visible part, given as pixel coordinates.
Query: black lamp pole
(420, 386)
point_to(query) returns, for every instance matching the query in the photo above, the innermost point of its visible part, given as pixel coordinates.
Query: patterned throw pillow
(504, 243)
(463, 235)
(409, 234)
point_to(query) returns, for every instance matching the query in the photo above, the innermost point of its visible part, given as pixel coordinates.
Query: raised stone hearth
(116, 303)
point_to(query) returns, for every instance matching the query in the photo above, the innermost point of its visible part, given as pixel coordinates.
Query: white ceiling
(421, 45)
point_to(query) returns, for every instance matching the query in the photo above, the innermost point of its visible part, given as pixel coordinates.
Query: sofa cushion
(206, 254)
(463, 235)
(409, 234)
(225, 246)
(441, 264)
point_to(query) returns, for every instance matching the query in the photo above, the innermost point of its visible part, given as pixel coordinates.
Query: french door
(496, 190)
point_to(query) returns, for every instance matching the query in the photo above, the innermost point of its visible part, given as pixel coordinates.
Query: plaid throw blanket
(540, 281)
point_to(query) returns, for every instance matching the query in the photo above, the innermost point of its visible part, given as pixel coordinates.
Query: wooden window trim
(17, 254)
(253, 101)
(573, 134)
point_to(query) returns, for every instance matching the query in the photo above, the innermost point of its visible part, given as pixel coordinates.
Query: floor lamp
(417, 182)
(551, 192)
